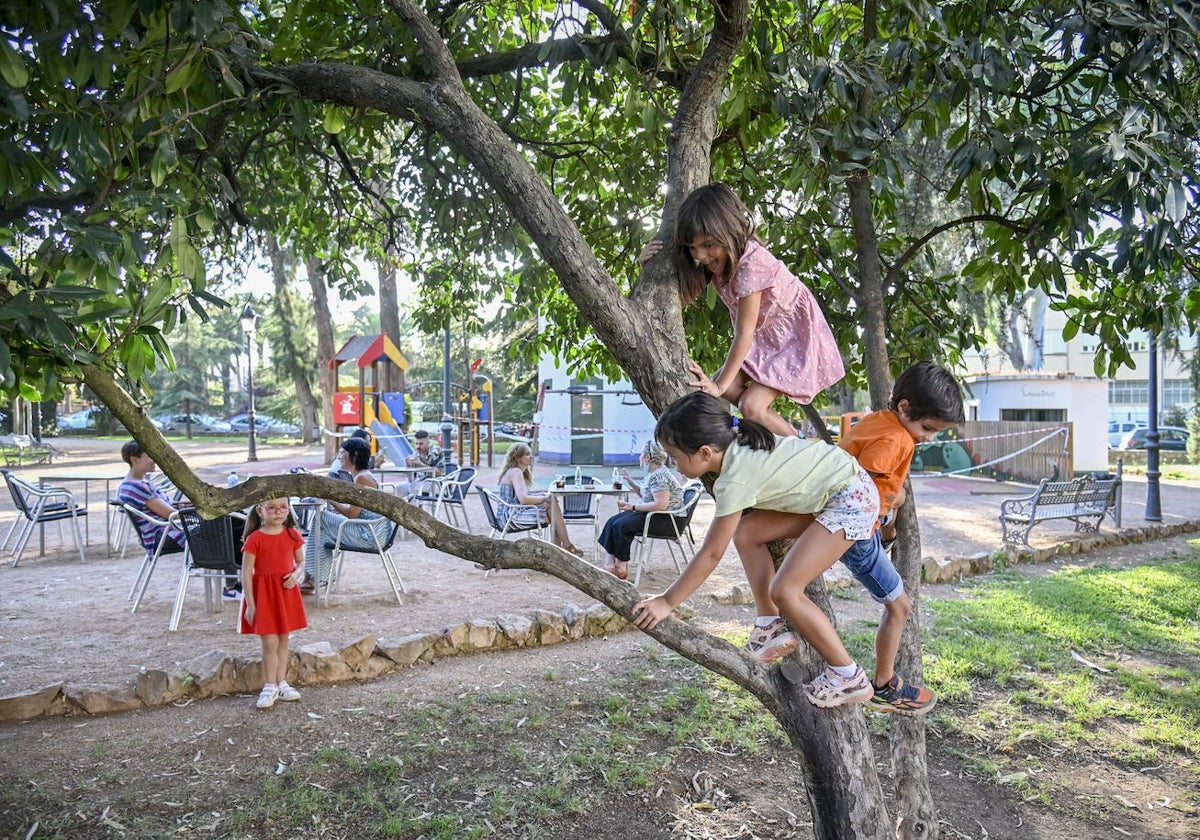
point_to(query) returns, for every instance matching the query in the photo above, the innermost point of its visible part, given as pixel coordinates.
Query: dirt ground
(191, 765)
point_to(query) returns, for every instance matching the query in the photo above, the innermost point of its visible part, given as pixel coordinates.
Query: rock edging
(216, 673)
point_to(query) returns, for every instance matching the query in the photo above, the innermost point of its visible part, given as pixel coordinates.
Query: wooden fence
(1009, 450)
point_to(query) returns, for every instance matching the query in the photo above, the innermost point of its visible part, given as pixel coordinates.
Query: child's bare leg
(281, 664)
(887, 639)
(755, 403)
(754, 531)
(813, 553)
(270, 645)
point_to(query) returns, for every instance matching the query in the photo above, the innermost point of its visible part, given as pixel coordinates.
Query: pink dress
(793, 349)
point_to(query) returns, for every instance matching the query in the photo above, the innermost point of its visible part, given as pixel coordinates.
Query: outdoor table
(53, 480)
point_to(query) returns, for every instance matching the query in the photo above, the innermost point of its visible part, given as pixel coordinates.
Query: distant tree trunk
(325, 349)
(389, 305)
(297, 357)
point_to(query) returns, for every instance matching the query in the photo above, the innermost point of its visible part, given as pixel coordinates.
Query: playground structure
(377, 402)
(473, 413)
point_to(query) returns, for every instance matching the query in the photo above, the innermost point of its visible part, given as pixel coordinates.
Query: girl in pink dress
(272, 607)
(782, 343)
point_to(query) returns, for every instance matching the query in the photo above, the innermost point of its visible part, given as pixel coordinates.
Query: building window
(1035, 415)
(1128, 392)
(1177, 392)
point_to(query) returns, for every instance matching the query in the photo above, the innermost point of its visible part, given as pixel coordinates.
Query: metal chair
(211, 549)
(669, 528)
(37, 506)
(382, 548)
(583, 508)
(449, 493)
(492, 504)
(136, 517)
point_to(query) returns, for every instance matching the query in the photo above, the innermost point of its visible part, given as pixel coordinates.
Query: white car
(1118, 429)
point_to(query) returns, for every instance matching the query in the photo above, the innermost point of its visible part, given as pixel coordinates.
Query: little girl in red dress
(272, 607)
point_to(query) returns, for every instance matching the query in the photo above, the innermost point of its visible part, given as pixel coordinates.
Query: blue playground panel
(394, 400)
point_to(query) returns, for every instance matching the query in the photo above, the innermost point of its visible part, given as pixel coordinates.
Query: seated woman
(516, 480)
(659, 491)
(355, 456)
(139, 492)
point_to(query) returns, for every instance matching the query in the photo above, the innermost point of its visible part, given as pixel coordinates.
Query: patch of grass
(1033, 640)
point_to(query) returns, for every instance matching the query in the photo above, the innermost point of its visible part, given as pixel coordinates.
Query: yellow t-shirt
(797, 476)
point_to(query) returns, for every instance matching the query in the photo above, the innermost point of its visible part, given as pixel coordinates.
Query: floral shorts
(854, 509)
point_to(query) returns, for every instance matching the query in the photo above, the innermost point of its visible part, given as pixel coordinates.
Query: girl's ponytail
(703, 420)
(752, 434)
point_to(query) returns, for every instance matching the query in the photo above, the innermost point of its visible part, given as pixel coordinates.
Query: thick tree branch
(915, 248)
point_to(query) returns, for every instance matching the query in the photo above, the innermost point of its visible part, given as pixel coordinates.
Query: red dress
(277, 610)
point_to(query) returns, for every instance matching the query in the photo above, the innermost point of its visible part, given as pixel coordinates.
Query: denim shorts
(871, 567)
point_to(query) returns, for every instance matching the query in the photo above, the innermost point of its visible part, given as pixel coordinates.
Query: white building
(1128, 391)
(1047, 398)
(590, 422)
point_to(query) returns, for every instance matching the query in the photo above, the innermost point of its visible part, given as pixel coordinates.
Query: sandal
(571, 547)
(621, 570)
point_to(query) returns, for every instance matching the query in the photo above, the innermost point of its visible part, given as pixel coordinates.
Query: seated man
(140, 493)
(427, 454)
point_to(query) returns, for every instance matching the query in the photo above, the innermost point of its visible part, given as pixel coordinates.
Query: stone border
(216, 673)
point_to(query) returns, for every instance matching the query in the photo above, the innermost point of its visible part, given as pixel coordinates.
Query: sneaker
(286, 693)
(231, 595)
(766, 644)
(829, 689)
(267, 697)
(901, 698)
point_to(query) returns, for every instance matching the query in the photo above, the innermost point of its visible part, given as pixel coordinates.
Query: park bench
(1084, 500)
(18, 450)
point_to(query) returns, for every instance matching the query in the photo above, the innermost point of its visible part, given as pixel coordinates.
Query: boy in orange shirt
(925, 400)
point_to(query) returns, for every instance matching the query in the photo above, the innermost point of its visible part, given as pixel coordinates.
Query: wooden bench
(1084, 501)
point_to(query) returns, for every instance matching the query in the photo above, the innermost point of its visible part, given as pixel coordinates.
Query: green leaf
(12, 66)
(335, 119)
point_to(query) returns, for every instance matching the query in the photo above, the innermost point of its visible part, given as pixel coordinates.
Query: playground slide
(392, 441)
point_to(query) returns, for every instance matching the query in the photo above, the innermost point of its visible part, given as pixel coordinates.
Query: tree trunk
(389, 305)
(296, 360)
(325, 349)
(916, 816)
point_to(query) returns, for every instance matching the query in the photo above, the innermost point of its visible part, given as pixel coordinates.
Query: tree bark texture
(325, 349)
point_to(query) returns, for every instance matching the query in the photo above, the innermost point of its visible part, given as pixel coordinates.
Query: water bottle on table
(578, 477)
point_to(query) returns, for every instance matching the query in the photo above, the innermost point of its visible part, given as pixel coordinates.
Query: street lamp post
(249, 325)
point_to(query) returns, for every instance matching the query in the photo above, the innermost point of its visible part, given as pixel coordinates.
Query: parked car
(198, 422)
(1170, 438)
(1117, 429)
(87, 419)
(263, 424)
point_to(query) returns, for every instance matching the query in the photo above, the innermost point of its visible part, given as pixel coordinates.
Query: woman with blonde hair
(659, 491)
(516, 488)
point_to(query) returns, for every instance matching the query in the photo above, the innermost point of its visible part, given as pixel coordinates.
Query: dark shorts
(871, 567)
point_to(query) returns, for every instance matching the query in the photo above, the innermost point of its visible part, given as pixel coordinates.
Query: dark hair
(360, 434)
(715, 211)
(130, 450)
(360, 452)
(703, 420)
(420, 434)
(254, 521)
(931, 391)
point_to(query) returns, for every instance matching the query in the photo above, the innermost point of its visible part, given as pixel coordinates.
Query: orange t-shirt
(885, 449)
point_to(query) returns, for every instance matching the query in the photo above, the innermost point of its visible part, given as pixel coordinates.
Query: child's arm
(743, 339)
(297, 574)
(651, 611)
(248, 586)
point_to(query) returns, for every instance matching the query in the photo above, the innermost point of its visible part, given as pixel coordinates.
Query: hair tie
(733, 421)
